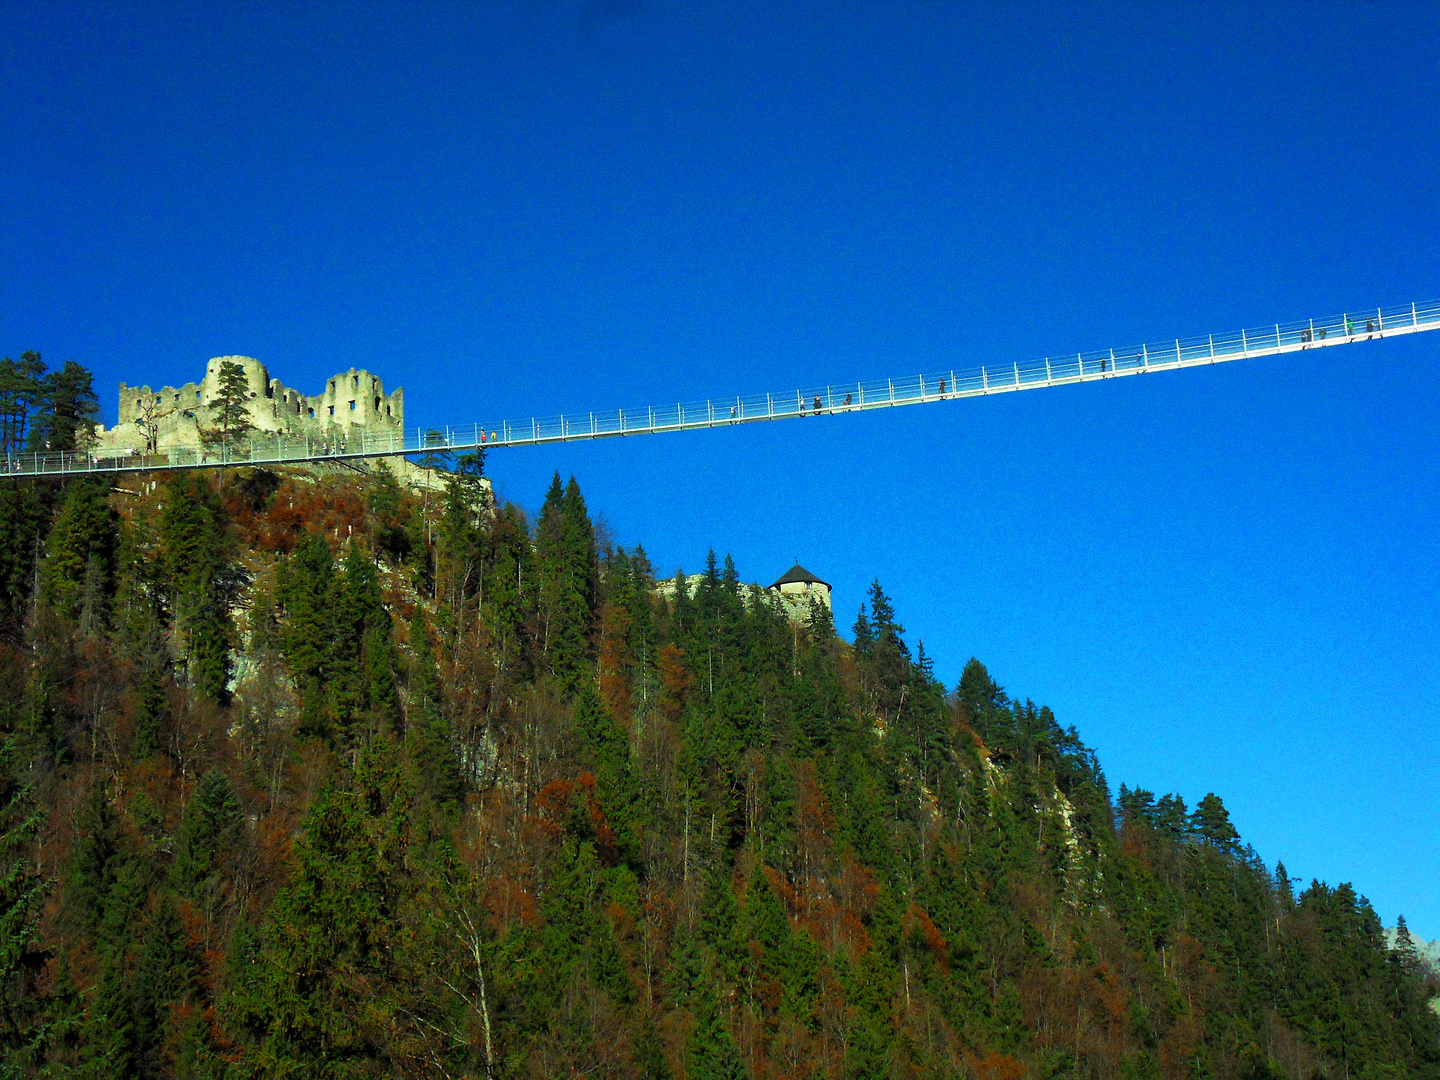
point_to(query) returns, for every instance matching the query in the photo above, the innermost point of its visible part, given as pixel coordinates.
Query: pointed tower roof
(797, 574)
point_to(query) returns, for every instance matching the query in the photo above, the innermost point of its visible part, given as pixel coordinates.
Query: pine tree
(210, 629)
(230, 408)
(208, 838)
(712, 1053)
(1136, 807)
(1211, 822)
(1171, 818)
(22, 391)
(318, 1002)
(69, 406)
(164, 974)
(198, 580)
(22, 523)
(305, 591)
(22, 892)
(567, 564)
(78, 576)
(1404, 948)
(437, 766)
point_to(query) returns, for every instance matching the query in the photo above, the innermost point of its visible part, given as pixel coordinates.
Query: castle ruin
(174, 416)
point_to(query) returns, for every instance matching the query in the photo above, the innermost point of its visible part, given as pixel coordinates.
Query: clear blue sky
(1226, 578)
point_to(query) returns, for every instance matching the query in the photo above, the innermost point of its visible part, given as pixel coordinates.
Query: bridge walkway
(1279, 339)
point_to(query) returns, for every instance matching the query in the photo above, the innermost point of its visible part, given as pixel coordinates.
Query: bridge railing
(935, 385)
(278, 448)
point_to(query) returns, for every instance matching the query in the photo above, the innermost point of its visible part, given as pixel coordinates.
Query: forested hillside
(327, 778)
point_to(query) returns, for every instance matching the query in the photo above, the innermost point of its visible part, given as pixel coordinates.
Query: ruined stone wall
(352, 401)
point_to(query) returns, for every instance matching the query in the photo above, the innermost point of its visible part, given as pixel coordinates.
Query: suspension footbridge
(267, 448)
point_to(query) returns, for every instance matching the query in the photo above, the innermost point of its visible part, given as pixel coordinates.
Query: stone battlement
(175, 416)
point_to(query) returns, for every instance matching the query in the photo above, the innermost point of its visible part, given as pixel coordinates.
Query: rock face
(352, 402)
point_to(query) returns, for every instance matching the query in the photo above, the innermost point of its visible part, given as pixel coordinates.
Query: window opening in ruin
(332, 410)
(312, 412)
(352, 406)
(375, 385)
(387, 410)
(137, 402)
(355, 382)
(377, 404)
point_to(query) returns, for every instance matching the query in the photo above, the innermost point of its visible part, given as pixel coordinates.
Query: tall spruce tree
(77, 578)
(230, 408)
(199, 579)
(568, 569)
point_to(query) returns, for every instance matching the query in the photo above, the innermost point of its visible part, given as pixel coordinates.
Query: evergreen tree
(164, 975)
(1171, 819)
(78, 577)
(230, 408)
(567, 565)
(305, 592)
(199, 580)
(711, 1052)
(207, 840)
(1136, 807)
(437, 766)
(318, 1001)
(66, 420)
(22, 391)
(152, 701)
(1404, 949)
(22, 891)
(1211, 822)
(22, 524)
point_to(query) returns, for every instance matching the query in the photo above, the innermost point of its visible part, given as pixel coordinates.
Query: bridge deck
(268, 449)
